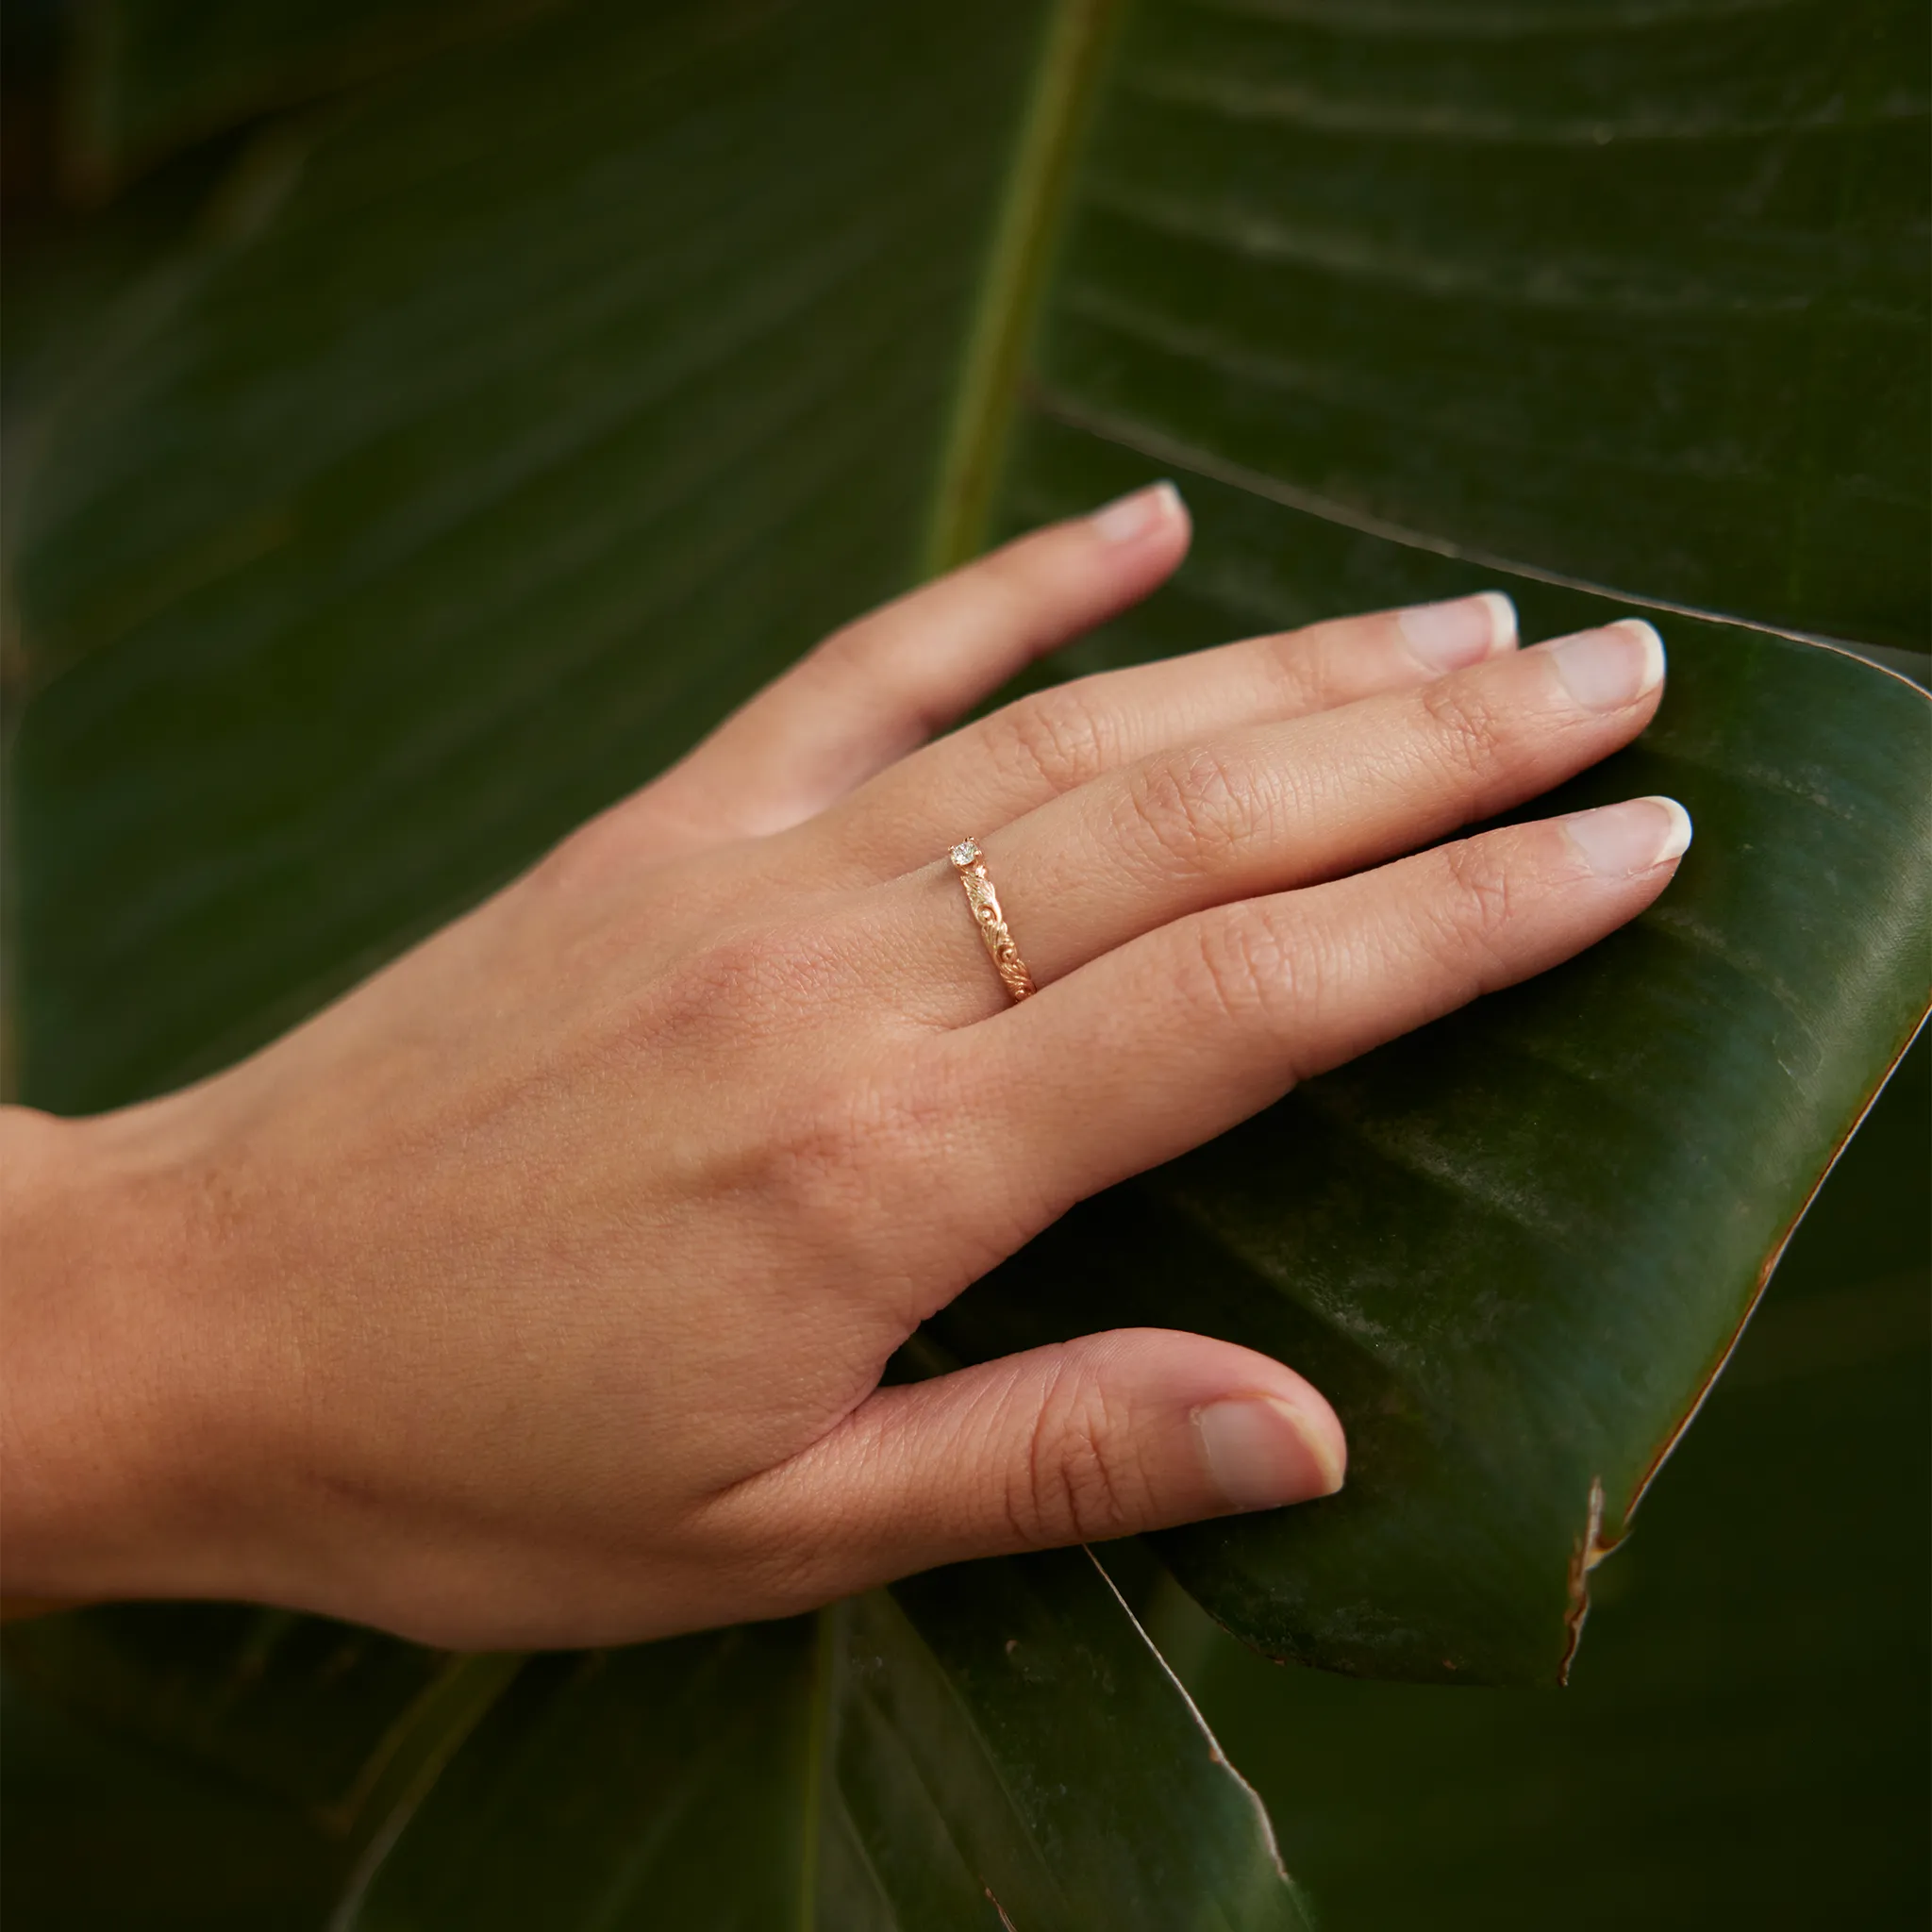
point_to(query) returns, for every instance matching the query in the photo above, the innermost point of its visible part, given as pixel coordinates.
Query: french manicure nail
(1447, 637)
(1605, 670)
(1620, 840)
(1131, 516)
(1263, 1455)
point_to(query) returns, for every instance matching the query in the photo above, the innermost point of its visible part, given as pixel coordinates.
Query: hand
(538, 1291)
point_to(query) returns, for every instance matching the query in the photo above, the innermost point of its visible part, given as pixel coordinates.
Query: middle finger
(1045, 744)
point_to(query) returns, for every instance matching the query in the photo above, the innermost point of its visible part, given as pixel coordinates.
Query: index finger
(883, 684)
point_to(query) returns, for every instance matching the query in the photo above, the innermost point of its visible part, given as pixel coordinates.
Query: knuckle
(1481, 904)
(745, 988)
(1468, 731)
(739, 971)
(826, 1152)
(1190, 807)
(1243, 970)
(1059, 739)
(1078, 1480)
(842, 1167)
(1298, 665)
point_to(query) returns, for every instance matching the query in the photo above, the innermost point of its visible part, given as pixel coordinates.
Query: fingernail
(1127, 517)
(1463, 631)
(1262, 1454)
(1619, 840)
(1604, 670)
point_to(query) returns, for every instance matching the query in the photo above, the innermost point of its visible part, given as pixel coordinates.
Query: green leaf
(654, 1786)
(1634, 294)
(313, 1711)
(1744, 1740)
(1016, 1706)
(1515, 1248)
(991, 1744)
(105, 1835)
(994, 1738)
(148, 77)
(1400, 297)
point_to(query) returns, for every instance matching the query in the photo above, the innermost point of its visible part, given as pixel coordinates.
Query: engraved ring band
(969, 863)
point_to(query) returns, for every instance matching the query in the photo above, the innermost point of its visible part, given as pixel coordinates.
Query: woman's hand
(538, 1291)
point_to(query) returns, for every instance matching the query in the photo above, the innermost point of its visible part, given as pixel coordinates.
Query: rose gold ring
(969, 863)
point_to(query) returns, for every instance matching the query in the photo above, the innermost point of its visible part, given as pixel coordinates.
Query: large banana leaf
(976, 1747)
(1517, 1247)
(103, 1836)
(500, 422)
(991, 1744)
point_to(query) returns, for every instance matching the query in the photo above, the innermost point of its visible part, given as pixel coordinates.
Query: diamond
(965, 853)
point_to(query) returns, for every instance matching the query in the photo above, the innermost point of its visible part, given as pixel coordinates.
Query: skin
(538, 1291)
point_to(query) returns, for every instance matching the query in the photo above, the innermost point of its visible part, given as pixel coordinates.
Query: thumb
(1138, 1429)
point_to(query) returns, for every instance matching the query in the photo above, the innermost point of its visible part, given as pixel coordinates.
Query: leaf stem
(1001, 330)
(409, 1761)
(829, 1639)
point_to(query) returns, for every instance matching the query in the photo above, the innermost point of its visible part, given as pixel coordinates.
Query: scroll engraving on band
(969, 863)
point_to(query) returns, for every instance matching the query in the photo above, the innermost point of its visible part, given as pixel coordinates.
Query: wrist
(116, 1417)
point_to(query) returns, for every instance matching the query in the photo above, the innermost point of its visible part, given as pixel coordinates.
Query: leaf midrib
(999, 332)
